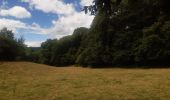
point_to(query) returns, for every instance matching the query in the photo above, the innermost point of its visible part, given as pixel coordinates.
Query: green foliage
(33, 54)
(134, 33)
(7, 34)
(64, 51)
(7, 51)
(46, 51)
(150, 50)
(123, 33)
(10, 48)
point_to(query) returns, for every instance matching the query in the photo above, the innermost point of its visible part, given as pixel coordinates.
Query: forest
(123, 33)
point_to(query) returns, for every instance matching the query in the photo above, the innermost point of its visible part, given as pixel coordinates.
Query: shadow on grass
(125, 66)
(130, 66)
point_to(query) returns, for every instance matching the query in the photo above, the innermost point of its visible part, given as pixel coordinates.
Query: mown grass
(30, 81)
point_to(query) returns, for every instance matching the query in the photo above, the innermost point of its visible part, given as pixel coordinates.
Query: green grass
(30, 81)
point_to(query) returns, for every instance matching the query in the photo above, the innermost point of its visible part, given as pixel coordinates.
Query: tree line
(123, 33)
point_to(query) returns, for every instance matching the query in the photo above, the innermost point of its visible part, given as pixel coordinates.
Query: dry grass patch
(30, 81)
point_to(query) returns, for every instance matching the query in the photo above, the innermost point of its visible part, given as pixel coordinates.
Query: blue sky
(38, 20)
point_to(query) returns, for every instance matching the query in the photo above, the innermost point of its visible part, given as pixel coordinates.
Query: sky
(39, 20)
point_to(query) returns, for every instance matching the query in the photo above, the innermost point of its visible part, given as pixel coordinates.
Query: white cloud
(11, 24)
(68, 19)
(52, 6)
(16, 11)
(33, 43)
(86, 2)
(14, 25)
(65, 25)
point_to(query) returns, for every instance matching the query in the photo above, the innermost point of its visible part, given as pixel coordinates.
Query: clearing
(30, 81)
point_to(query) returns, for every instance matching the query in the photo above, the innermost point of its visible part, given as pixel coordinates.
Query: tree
(6, 33)
(128, 31)
(10, 48)
(104, 5)
(64, 51)
(7, 51)
(47, 51)
(123, 33)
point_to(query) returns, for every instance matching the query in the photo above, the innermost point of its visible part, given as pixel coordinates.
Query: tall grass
(30, 81)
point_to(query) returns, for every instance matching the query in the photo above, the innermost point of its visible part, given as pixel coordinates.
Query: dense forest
(123, 33)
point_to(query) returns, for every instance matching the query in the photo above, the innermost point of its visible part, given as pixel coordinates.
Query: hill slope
(30, 81)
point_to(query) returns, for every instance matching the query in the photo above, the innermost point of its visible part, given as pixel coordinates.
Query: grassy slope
(29, 81)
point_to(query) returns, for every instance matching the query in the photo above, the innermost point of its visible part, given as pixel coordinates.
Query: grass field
(30, 81)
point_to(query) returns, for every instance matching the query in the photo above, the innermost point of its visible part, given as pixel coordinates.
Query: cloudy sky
(38, 20)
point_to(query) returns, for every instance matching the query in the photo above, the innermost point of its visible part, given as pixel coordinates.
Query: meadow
(30, 81)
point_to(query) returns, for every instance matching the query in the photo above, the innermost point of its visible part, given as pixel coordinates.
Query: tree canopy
(123, 33)
(10, 48)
